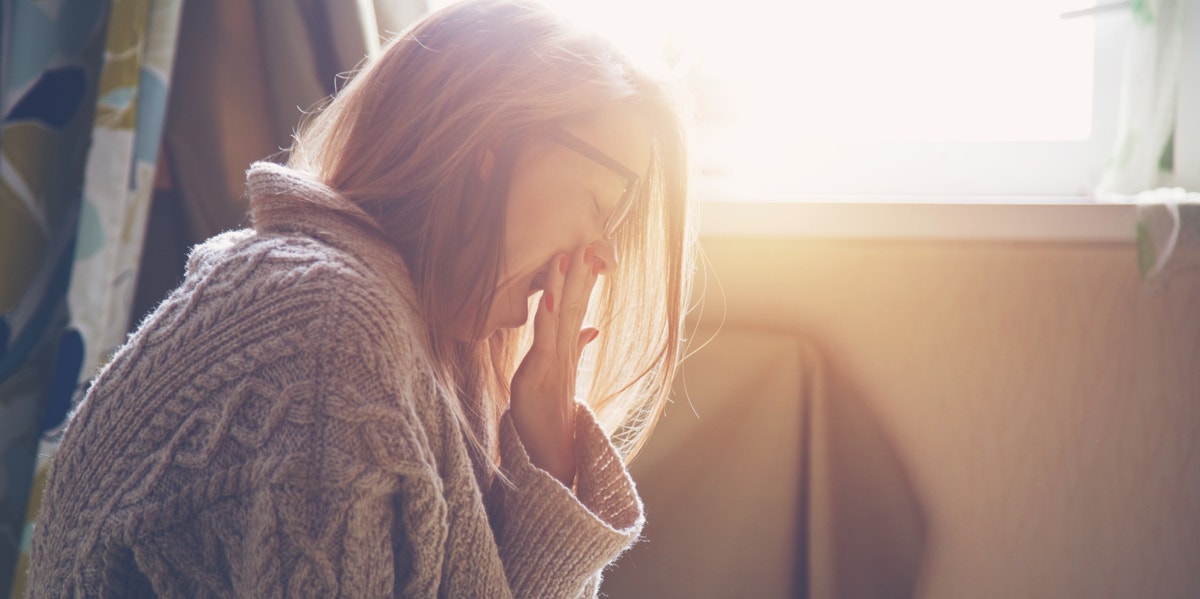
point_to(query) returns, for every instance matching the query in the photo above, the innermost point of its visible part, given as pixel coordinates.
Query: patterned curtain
(84, 89)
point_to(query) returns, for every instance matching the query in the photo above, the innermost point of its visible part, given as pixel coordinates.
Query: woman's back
(271, 430)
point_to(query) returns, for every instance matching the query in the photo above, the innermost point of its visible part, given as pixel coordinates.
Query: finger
(596, 267)
(576, 289)
(586, 336)
(545, 320)
(543, 330)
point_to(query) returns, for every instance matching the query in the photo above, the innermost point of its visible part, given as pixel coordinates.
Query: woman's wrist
(553, 453)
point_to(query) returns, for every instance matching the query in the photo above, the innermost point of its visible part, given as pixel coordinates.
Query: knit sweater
(273, 430)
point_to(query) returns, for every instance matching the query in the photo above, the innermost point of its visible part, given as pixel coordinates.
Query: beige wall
(1006, 420)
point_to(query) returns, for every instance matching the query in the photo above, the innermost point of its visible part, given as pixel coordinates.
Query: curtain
(84, 86)
(723, 478)
(768, 475)
(51, 62)
(1143, 164)
(102, 70)
(295, 52)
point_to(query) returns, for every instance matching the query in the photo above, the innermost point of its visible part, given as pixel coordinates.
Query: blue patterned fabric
(51, 59)
(84, 88)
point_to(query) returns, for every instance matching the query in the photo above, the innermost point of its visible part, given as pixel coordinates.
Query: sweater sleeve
(306, 524)
(344, 540)
(555, 543)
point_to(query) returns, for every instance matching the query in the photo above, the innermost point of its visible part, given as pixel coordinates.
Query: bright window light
(880, 97)
(918, 70)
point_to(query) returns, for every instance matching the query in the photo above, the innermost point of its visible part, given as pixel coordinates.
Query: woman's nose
(606, 251)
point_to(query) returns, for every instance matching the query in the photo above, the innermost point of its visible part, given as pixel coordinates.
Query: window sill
(974, 219)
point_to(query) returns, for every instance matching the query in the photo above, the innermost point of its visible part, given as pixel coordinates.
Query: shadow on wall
(868, 528)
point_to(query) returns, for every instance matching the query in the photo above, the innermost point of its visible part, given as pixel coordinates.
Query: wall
(1011, 420)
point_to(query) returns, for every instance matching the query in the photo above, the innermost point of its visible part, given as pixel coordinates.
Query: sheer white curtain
(1149, 94)
(1156, 159)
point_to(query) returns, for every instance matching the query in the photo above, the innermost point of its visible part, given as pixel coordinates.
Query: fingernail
(549, 302)
(588, 253)
(563, 263)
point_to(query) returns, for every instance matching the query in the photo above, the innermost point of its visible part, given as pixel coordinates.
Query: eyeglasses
(625, 204)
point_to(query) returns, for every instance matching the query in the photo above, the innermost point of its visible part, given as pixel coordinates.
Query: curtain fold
(724, 477)
(1149, 89)
(294, 52)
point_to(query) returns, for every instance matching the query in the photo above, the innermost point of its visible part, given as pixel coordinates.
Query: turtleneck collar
(284, 200)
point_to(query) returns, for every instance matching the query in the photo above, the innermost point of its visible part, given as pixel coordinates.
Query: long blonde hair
(404, 140)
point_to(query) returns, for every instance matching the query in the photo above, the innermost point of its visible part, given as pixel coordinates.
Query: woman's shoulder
(287, 261)
(268, 316)
(364, 339)
(271, 297)
(293, 271)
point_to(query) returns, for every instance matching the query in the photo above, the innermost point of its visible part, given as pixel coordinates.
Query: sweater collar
(284, 200)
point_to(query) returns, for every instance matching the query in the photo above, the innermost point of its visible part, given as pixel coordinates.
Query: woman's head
(492, 136)
(570, 188)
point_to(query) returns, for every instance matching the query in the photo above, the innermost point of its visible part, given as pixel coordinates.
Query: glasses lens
(618, 216)
(631, 178)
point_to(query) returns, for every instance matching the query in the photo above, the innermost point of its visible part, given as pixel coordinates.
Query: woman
(338, 401)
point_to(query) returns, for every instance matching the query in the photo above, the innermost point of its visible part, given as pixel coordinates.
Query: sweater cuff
(553, 541)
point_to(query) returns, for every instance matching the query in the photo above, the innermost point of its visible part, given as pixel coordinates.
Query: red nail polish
(563, 263)
(549, 302)
(588, 253)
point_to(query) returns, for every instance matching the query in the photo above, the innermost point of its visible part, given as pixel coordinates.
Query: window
(803, 99)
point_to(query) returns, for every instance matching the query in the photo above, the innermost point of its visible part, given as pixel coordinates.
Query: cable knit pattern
(272, 430)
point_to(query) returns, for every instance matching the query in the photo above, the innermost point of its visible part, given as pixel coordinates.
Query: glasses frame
(625, 203)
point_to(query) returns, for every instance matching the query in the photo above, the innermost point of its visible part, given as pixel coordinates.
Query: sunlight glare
(822, 96)
(878, 70)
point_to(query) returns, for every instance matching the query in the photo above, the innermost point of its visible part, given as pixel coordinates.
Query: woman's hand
(543, 387)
